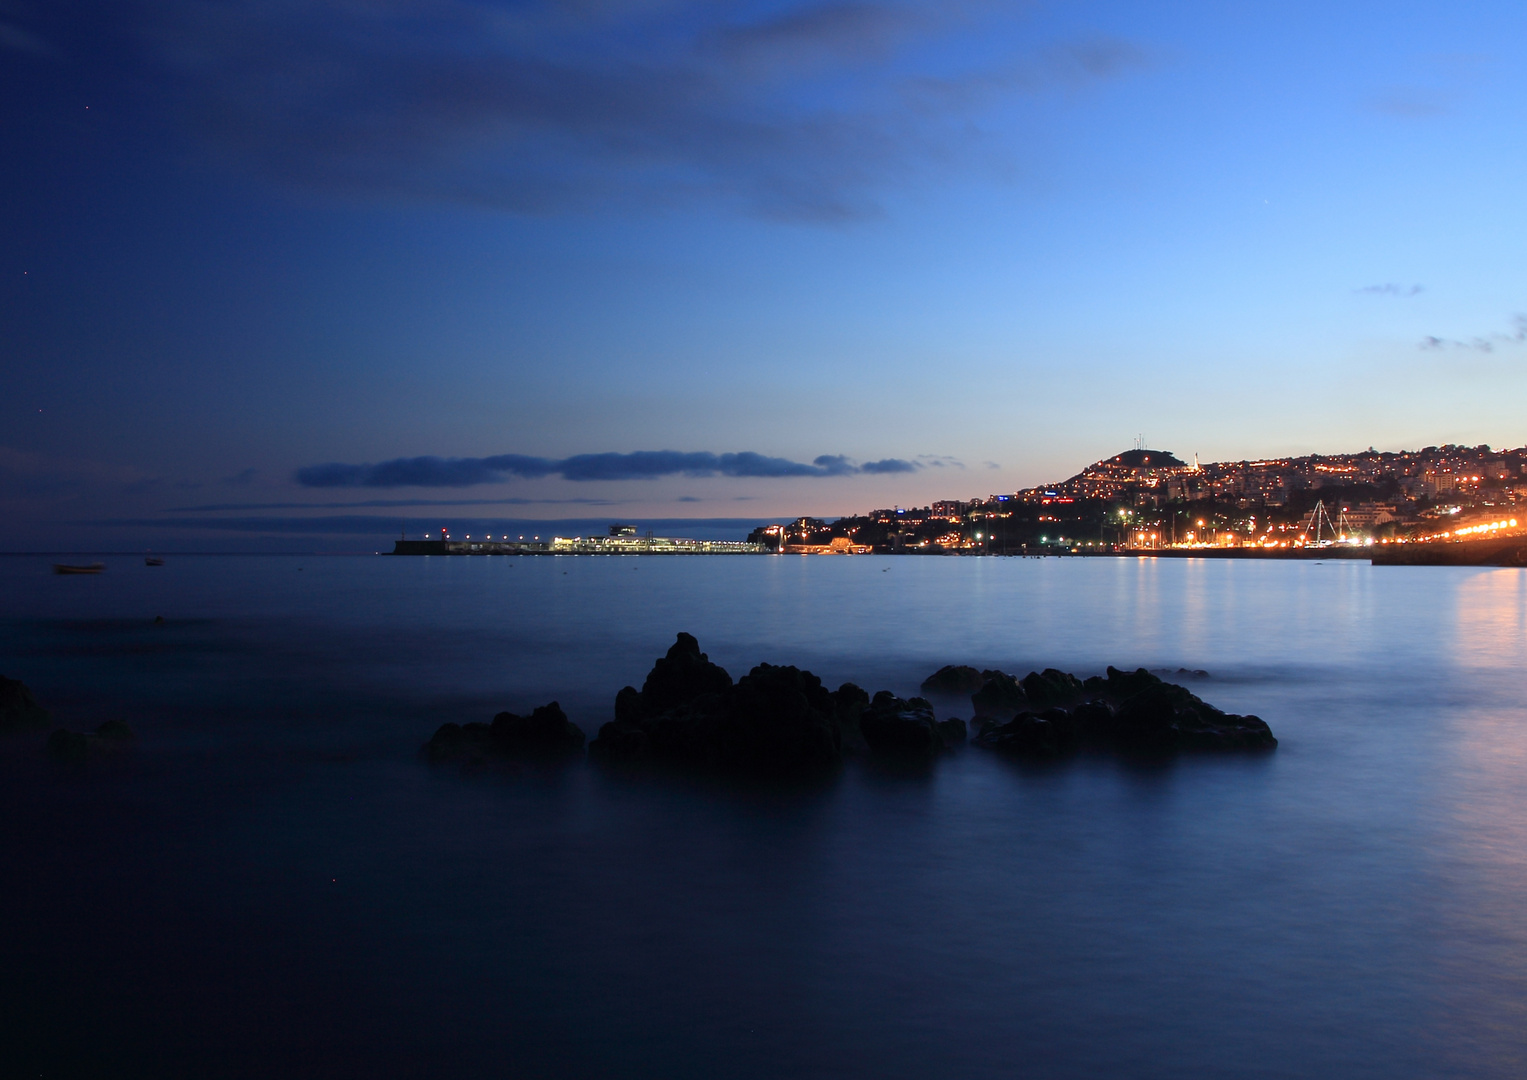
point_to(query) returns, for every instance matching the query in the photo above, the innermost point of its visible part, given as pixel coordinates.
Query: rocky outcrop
(19, 710)
(775, 721)
(1132, 711)
(544, 735)
(1000, 696)
(894, 728)
(955, 680)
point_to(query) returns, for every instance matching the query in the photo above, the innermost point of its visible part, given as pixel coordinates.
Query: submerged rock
(1132, 711)
(19, 710)
(546, 735)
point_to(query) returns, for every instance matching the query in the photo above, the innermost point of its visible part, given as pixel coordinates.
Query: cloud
(540, 106)
(388, 527)
(940, 461)
(641, 465)
(853, 30)
(1392, 290)
(382, 504)
(1484, 344)
(888, 465)
(242, 478)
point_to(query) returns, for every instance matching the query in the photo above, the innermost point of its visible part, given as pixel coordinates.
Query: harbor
(621, 540)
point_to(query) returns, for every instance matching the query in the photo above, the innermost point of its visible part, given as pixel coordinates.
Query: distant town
(1145, 499)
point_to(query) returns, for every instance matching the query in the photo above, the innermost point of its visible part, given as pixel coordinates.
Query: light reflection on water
(1349, 905)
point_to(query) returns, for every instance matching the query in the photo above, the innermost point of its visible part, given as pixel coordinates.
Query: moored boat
(67, 568)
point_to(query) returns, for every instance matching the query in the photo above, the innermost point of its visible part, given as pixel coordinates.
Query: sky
(299, 274)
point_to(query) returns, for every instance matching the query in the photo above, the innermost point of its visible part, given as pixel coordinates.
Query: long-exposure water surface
(271, 883)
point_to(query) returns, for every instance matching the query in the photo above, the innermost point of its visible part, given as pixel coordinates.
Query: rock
(849, 703)
(1131, 711)
(1000, 696)
(19, 710)
(780, 721)
(1050, 687)
(961, 680)
(953, 731)
(776, 720)
(545, 735)
(683, 676)
(894, 728)
(1049, 733)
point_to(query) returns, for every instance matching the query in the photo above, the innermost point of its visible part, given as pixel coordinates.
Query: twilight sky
(298, 272)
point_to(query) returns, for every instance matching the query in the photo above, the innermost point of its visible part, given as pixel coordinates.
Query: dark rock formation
(545, 735)
(19, 710)
(961, 680)
(1133, 711)
(776, 720)
(894, 728)
(1000, 696)
(683, 676)
(1050, 687)
(849, 703)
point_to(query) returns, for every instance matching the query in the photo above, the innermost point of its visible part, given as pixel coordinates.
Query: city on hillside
(1151, 499)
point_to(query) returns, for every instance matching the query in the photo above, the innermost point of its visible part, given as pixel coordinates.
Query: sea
(271, 883)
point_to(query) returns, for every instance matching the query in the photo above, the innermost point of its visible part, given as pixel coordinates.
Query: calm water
(271, 885)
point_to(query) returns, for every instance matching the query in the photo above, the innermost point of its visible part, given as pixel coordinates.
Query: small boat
(152, 560)
(66, 568)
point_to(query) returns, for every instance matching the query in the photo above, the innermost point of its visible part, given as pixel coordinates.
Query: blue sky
(971, 246)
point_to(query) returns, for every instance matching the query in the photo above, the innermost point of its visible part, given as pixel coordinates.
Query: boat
(152, 560)
(67, 568)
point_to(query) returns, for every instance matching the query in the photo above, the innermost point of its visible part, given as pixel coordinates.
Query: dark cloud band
(641, 465)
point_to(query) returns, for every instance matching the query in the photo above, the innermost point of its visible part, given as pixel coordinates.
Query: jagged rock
(951, 679)
(953, 731)
(1000, 696)
(901, 729)
(1049, 733)
(545, 734)
(1050, 687)
(1126, 710)
(18, 708)
(683, 676)
(776, 720)
(849, 703)
(780, 720)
